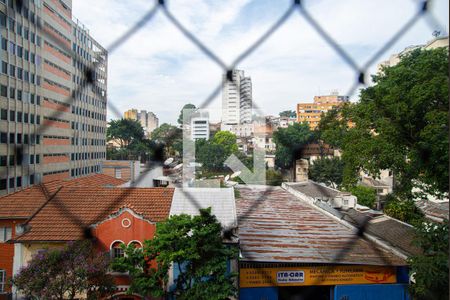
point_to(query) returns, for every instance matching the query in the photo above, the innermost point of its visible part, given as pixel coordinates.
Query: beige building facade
(50, 128)
(311, 113)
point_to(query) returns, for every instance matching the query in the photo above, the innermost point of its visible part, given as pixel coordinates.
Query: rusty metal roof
(276, 226)
(313, 189)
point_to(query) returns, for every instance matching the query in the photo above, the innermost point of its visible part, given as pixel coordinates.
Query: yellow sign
(320, 275)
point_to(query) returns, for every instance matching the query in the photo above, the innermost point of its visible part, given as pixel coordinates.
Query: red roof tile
(22, 204)
(75, 208)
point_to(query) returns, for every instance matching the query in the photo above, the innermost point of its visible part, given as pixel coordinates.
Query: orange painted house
(18, 207)
(113, 215)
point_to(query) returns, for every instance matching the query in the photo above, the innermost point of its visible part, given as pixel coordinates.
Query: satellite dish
(168, 161)
(235, 174)
(227, 177)
(178, 166)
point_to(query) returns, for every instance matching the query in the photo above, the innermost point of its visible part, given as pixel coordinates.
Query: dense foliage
(288, 113)
(289, 142)
(430, 270)
(170, 138)
(125, 131)
(64, 273)
(193, 245)
(189, 110)
(367, 196)
(403, 210)
(133, 143)
(213, 153)
(327, 170)
(400, 123)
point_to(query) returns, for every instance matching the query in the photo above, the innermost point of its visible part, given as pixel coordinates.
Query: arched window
(116, 249)
(136, 244)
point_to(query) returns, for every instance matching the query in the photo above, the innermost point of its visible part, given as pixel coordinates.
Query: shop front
(262, 281)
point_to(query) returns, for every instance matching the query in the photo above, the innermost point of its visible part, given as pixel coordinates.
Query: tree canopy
(327, 170)
(64, 273)
(400, 123)
(170, 137)
(193, 245)
(288, 113)
(289, 142)
(125, 131)
(367, 196)
(227, 140)
(213, 153)
(430, 269)
(188, 106)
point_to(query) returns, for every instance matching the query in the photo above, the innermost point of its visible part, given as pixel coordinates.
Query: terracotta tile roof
(77, 207)
(22, 204)
(95, 180)
(275, 226)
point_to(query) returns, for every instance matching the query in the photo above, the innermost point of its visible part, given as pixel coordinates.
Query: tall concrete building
(236, 99)
(49, 127)
(311, 112)
(148, 120)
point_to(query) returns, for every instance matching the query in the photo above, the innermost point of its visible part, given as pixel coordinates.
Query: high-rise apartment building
(311, 112)
(236, 99)
(148, 120)
(50, 127)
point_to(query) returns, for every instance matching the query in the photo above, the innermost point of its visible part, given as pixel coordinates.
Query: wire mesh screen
(296, 9)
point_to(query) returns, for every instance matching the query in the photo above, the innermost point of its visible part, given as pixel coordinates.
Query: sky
(158, 69)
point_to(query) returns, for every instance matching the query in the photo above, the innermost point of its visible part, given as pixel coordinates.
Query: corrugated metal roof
(434, 209)
(314, 190)
(221, 200)
(275, 226)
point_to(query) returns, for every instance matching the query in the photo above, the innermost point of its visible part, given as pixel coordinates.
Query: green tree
(64, 273)
(273, 177)
(211, 156)
(400, 123)
(289, 142)
(125, 131)
(367, 196)
(327, 170)
(288, 113)
(227, 140)
(430, 269)
(403, 209)
(194, 246)
(170, 136)
(188, 107)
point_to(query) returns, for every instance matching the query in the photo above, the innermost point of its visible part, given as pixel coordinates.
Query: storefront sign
(320, 275)
(290, 276)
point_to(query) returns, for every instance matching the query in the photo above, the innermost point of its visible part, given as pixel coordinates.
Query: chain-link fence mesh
(297, 9)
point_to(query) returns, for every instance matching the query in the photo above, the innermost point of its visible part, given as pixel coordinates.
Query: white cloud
(158, 69)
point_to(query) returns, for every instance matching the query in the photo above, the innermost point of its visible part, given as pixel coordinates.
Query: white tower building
(236, 99)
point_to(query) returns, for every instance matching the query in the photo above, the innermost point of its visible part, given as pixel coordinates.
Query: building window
(4, 114)
(5, 234)
(3, 184)
(116, 250)
(118, 173)
(2, 281)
